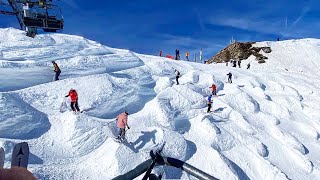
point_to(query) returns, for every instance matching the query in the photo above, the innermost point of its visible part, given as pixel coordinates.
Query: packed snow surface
(265, 125)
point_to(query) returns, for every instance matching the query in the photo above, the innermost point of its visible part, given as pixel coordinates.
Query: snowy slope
(263, 126)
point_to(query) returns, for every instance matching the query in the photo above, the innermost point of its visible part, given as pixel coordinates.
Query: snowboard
(20, 155)
(2, 157)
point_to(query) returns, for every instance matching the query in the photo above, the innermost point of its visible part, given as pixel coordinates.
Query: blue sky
(147, 26)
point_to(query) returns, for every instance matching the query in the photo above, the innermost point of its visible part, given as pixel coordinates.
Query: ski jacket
(187, 54)
(213, 87)
(230, 75)
(177, 73)
(209, 100)
(122, 120)
(73, 95)
(56, 67)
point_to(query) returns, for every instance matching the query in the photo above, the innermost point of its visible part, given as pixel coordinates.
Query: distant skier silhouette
(56, 70)
(229, 77)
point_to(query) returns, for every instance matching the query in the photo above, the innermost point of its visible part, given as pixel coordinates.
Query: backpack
(178, 73)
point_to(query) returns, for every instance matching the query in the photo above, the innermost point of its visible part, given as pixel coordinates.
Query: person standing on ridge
(187, 56)
(56, 70)
(177, 73)
(201, 56)
(239, 63)
(229, 77)
(177, 54)
(122, 123)
(74, 100)
(234, 63)
(160, 53)
(209, 102)
(248, 65)
(214, 89)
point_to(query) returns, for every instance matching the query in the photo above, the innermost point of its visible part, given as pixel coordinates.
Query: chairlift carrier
(34, 14)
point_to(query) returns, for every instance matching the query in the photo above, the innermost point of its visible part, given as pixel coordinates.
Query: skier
(200, 55)
(56, 70)
(229, 77)
(239, 64)
(74, 100)
(209, 103)
(214, 89)
(187, 56)
(177, 54)
(248, 66)
(122, 123)
(177, 73)
(234, 63)
(160, 53)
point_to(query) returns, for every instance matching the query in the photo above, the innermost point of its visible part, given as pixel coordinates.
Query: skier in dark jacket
(239, 64)
(177, 73)
(229, 77)
(209, 102)
(56, 70)
(74, 100)
(234, 63)
(177, 54)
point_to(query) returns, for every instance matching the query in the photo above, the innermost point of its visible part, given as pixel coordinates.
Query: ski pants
(214, 92)
(56, 75)
(177, 77)
(230, 80)
(122, 132)
(74, 106)
(209, 107)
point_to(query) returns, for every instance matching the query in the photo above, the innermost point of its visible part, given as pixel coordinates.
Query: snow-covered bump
(19, 120)
(262, 149)
(241, 122)
(242, 101)
(162, 83)
(176, 145)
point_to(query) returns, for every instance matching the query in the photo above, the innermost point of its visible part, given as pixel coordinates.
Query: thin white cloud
(304, 11)
(260, 25)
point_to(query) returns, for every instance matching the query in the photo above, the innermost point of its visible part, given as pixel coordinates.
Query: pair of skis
(20, 155)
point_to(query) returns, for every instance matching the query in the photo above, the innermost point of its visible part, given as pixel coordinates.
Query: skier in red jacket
(214, 89)
(74, 100)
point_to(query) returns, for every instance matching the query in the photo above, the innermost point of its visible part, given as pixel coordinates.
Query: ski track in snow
(263, 126)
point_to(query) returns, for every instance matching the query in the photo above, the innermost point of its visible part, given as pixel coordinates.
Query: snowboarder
(214, 89)
(160, 53)
(74, 100)
(187, 56)
(177, 73)
(248, 66)
(239, 63)
(177, 54)
(229, 77)
(209, 103)
(122, 123)
(56, 70)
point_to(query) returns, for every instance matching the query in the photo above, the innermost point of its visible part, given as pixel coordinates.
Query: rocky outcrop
(240, 51)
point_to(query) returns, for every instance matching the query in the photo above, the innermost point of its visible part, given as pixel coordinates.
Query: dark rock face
(240, 51)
